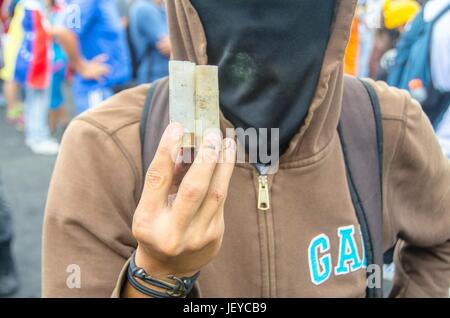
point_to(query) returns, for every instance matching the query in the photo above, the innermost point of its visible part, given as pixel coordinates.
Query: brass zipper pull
(263, 195)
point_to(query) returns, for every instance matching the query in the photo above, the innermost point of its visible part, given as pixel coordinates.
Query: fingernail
(176, 131)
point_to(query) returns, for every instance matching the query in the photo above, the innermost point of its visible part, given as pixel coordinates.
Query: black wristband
(180, 289)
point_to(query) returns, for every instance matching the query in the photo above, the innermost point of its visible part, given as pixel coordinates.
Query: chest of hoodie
(307, 244)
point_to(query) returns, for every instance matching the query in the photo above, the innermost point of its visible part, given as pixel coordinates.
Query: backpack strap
(361, 134)
(155, 119)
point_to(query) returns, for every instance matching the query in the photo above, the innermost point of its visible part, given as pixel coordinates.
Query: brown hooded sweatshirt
(98, 179)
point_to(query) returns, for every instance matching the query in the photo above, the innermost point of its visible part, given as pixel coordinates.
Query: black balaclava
(270, 55)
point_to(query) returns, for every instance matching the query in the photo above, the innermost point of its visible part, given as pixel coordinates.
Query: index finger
(160, 174)
(195, 184)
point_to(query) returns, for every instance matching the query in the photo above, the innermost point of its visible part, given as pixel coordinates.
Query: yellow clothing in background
(398, 13)
(13, 42)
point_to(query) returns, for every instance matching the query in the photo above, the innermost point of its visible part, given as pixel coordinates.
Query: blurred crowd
(406, 44)
(99, 47)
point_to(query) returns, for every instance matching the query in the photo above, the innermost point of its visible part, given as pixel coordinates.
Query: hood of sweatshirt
(314, 115)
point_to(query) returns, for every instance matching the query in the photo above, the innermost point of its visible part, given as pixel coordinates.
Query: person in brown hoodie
(291, 248)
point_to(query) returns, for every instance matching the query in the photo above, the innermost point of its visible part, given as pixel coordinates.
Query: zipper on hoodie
(267, 239)
(263, 193)
(263, 188)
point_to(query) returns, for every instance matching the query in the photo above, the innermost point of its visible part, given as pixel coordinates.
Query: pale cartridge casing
(182, 98)
(207, 110)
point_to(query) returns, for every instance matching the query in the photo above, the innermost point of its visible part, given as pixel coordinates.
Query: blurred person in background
(11, 46)
(95, 44)
(369, 16)
(421, 60)
(8, 275)
(58, 117)
(396, 15)
(149, 39)
(33, 71)
(3, 28)
(440, 48)
(440, 65)
(122, 7)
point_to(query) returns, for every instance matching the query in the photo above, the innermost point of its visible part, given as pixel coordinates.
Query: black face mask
(270, 55)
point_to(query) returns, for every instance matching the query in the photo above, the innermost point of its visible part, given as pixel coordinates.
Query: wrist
(156, 268)
(165, 287)
(78, 65)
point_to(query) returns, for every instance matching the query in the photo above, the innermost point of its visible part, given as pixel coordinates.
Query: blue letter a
(348, 252)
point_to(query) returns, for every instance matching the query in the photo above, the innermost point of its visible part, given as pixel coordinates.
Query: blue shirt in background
(100, 32)
(148, 24)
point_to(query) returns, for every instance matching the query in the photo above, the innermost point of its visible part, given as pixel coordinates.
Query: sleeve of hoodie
(417, 198)
(87, 228)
